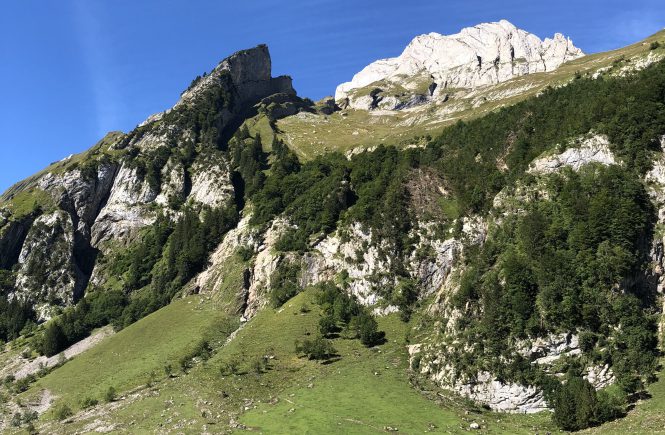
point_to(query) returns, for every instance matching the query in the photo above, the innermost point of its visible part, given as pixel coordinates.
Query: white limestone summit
(485, 54)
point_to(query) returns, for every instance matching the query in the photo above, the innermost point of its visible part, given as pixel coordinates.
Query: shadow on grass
(331, 360)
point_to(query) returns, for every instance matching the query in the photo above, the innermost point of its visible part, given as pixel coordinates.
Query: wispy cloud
(98, 59)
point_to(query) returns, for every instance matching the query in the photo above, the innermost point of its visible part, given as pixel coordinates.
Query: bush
(292, 241)
(244, 253)
(587, 341)
(62, 411)
(54, 339)
(284, 283)
(230, 367)
(110, 395)
(577, 405)
(260, 364)
(654, 45)
(17, 419)
(23, 384)
(30, 416)
(88, 402)
(327, 325)
(316, 349)
(404, 296)
(367, 329)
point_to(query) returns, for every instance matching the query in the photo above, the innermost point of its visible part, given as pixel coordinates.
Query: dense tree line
(15, 314)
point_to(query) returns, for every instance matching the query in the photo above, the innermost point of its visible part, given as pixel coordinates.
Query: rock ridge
(485, 54)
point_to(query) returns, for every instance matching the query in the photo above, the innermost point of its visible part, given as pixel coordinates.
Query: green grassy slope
(126, 359)
(362, 391)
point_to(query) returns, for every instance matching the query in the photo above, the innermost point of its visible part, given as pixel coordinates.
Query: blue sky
(71, 70)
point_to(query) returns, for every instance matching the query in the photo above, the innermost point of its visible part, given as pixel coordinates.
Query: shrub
(404, 296)
(260, 365)
(88, 402)
(230, 367)
(30, 416)
(284, 283)
(201, 349)
(244, 253)
(62, 411)
(327, 325)
(17, 419)
(366, 328)
(654, 45)
(54, 339)
(316, 349)
(110, 395)
(587, 341)
(23, 384)
(577, 405)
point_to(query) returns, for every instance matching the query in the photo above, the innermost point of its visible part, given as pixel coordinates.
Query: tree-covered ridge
(480, 157)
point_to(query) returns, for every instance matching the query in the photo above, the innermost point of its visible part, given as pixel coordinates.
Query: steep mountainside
(514, 259)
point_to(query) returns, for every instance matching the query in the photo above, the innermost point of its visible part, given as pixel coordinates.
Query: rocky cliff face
(432, 65)
(48, 274)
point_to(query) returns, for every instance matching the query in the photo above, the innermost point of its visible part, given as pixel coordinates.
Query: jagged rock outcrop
(81, 195)
(12, 236)
(245, 78)
(593, 149)
(547, 350)
(484, 387)
(126, 208)
(431, 64)
(211, 181)
(48, 274)
(250, 73)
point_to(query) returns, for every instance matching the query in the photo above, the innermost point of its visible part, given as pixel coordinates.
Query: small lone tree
(367, 330)
(575, 404)
(54, 339)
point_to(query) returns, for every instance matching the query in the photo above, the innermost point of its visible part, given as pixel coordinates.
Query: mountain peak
(248, 71)
(485, 54)
(244, 66)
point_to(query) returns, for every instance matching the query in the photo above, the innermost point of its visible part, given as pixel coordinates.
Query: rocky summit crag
(514, 258)
(486, 54)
